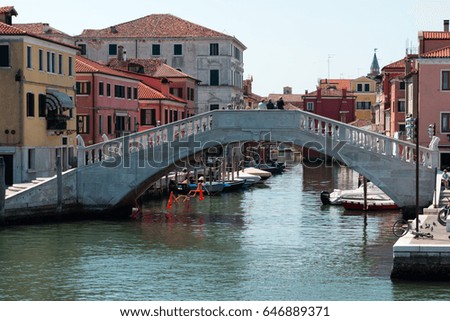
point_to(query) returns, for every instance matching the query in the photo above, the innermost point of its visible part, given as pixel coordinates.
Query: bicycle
(443, 214)
(401, 227)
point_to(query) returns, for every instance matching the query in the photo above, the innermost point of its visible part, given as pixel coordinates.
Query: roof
(286, 98)
(39, 28)
(155, 67)
(394, 65)
(438, 53)
(330, 93)
(154, 26)
(147, 92)
(435, 35)
(338, 83)
(8, 9)
(13, 30)
(84, 65)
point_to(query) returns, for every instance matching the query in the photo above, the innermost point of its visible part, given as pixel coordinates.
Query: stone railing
(304, 121)
(368, 140)
(151, 138)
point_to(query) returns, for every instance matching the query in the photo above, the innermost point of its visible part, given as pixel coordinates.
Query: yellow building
(37, 81)
(364, 89)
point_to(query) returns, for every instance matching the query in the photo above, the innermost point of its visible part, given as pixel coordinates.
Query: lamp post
(412, 132)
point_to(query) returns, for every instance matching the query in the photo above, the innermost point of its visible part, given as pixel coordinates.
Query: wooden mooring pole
(59, 181)
(2, 187)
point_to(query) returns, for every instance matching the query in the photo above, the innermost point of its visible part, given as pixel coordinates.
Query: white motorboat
(338, 196)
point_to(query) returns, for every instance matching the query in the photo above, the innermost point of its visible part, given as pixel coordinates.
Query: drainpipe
(94, 118)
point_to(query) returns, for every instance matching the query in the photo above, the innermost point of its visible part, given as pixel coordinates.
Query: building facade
(37, 81)
(214, 58)
(107, 102)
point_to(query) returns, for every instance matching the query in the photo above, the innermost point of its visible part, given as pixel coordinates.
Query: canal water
(271, 242)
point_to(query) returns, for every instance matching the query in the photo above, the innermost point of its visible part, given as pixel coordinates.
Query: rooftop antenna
(329, 58)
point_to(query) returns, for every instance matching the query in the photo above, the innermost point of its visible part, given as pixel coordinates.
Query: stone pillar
(59, 181)
(2, 187)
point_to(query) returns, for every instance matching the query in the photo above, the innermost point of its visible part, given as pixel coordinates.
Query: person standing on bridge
(270, 104)
(445, 179)
(262, 105)
(280, 103)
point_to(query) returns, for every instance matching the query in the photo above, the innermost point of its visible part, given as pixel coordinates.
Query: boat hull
(371, 206)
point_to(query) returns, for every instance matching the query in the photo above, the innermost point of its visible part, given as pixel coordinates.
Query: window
(60, 64)
(4, 55)
(366, 87)
(108, 90)
(310, 106)
(100, 88)
(112, 51)
(109, 124)
(445, 122)
(237, 53)
(401, 106)
(156, 50)
(128, 92)
(83, 124)
(445, 80)
(32, 159)
(214, 77)
(148, 117)
(83, 87)
(41, 106)
(190, 94)
(41, 60)
(29, 57)
(214, 49)
(402, 85)
(363, 105)
(51, 57)
(30, 105)
(177, 50)
(70, 66)
(359, 87)
(213, 106)
(119, 91)
(135, 93)
(82, 47)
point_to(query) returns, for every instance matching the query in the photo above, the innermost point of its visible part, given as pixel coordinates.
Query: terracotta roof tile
(166, 71)
(397, 64)
(8, 9)
(84, 65)
(6, 29)
(38, 28)
(154, 26)
(338, 83)
(147, 92)
(438, 53)
(436, 35)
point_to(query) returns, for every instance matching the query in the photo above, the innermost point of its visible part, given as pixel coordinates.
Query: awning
(58, 100)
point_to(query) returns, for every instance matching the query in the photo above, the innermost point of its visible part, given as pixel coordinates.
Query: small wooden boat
(372, 205)
(231, 186)
(255, 171)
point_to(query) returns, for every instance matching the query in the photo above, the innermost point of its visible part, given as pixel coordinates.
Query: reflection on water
(272, 243)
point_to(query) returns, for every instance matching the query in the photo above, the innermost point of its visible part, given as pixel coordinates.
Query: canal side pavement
(422, 258)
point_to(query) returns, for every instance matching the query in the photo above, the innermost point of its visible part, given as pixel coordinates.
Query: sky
(289, 42)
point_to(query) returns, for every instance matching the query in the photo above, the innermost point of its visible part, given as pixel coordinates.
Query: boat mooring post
(2, 187)
(59, 181)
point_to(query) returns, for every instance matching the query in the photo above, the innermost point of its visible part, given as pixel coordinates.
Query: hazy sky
(289, 42)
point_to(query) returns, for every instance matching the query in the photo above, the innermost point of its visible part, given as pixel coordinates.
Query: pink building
(332, 103)
(107, 101)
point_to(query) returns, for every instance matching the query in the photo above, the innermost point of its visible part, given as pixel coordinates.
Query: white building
(214, 58)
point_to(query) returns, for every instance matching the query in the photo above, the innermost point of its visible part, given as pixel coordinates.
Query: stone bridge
(114, 173)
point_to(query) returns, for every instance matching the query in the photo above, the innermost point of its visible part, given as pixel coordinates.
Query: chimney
(124, 55)
(120, 53)
(45, 27)
(306, 91)
(446, 23)
(113, 29)
(165, 87)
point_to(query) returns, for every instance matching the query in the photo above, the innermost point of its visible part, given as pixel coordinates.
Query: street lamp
(412, 134)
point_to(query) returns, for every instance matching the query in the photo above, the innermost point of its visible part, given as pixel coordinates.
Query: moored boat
(336, 197)
(372, 205)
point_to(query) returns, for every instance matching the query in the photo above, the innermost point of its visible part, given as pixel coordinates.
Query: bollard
(2, 187)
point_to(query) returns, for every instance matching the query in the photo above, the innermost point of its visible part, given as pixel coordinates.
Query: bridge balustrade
(150, 138)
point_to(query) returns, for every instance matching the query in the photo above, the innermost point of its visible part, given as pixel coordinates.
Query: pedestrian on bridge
(262, 105)
(445, 179)
(280, 103)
